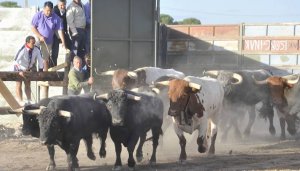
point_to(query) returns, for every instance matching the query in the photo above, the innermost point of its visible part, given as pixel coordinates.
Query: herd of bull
(145, 99)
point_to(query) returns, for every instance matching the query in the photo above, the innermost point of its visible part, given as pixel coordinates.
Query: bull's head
(117, 103)
(122, 79)
(277, 85)
(183, 98)
(227, 78)
(50, 123)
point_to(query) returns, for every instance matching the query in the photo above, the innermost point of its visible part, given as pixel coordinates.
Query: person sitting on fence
(25, 61)
(76, 78)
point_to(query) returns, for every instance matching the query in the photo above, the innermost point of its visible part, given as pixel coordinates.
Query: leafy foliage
(190, 21)
(169, 20)
(166, 19)
(9, 4)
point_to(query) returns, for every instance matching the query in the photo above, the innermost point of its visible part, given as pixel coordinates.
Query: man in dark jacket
(60, 10)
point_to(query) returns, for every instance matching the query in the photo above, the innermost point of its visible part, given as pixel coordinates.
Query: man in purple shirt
(44, 25)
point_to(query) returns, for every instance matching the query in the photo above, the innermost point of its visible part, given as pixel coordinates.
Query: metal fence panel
(244, 46)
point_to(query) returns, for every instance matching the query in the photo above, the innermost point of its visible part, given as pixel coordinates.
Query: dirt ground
(260, 151)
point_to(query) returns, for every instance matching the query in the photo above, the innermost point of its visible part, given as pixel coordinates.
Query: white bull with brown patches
(195, 104)
(140, 77)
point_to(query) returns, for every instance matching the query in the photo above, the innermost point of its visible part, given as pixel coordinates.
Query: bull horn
(290, 81)
(212, 73)
(133, 97)
(101, 96)
(262, 82)
(35, 111)
(64, 113)
(135, 90)
(111, 72)
(164, 83)
(194, 85)
(156, 90)
(132, 74)
(238, 77)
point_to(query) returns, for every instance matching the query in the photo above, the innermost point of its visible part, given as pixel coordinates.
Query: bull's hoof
(201, 149)
(181, 161)
(50, 167)
(102, 153)
(152, 163)
(282, 138)
(76, 169)
(139, 158)
(116, 168)
(91, 156)
(272, 131)
(131, 168)
(246, 133)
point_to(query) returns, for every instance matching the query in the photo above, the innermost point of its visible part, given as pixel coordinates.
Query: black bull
(131, 120)
(245, 94)
(87, 117)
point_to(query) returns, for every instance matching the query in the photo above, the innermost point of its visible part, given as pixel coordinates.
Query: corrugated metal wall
(123, 33)
(123, 36)
(193, 49)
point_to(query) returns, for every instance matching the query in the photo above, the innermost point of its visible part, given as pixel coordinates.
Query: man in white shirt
(24, 61)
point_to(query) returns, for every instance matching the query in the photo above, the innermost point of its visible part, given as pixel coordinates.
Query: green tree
(190, 21)
(166, 19)
(9, 4)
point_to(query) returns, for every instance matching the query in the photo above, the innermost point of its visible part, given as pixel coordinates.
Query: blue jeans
(78, 45)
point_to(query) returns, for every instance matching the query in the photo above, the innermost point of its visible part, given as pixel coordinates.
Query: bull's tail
(150, 138)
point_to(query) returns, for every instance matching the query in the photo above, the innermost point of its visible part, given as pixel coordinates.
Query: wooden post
(13, 103)
(67, 69)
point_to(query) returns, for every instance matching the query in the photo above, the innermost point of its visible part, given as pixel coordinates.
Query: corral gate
(124, 33)
(193, 49)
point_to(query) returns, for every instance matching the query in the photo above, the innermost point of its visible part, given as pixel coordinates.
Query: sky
(224, 11)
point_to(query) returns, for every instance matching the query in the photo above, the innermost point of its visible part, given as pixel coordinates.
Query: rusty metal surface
(233, 46)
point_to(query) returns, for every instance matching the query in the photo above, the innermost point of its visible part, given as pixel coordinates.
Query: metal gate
(123, 34)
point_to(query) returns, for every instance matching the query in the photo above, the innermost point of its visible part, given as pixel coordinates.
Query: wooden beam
(12, 102)
(58, 67)
(52, 83)
(32, 76)
(7, 110)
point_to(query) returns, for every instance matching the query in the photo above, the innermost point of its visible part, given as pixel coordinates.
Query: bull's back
(211, 94)
(87, 115)
(149, 109)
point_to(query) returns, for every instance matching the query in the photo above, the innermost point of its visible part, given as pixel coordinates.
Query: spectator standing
(86, 69)
(60, 10)
(87, 8)
(24, 60)
(44, 24)
(76, 21)
(76, 78)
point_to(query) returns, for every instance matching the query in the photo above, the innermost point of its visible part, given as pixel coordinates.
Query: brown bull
(277, 86)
